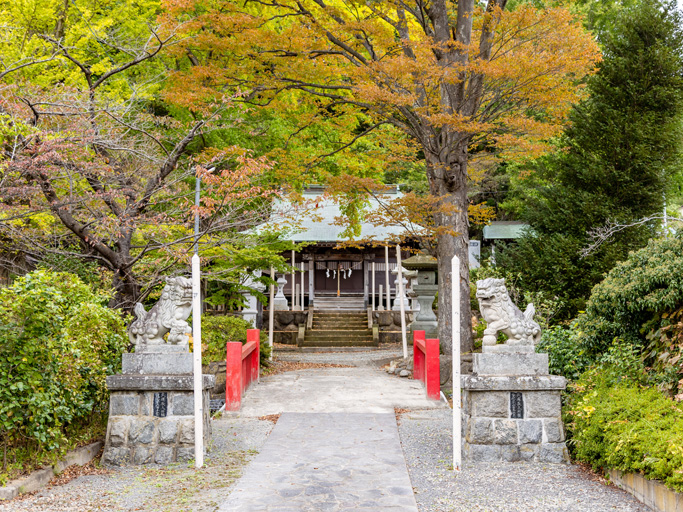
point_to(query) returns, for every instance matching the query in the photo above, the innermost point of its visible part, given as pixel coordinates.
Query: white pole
(271, 315)
(197, 359)
(373, 286)
(455, 329)
(197, 339)
(386, 276)
(381, 296)
(399, 294)
(293, 281)
(303, 278)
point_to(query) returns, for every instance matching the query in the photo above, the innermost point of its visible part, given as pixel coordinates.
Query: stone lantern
(426, 289)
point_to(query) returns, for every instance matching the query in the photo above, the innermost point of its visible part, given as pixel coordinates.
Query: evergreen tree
(620, 153)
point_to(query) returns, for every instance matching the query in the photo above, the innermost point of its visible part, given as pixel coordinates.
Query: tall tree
(619, 156)
(457, 77)
(93, 163)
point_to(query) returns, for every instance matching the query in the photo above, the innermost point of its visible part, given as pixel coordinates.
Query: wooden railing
(426, 364)
(241, 369)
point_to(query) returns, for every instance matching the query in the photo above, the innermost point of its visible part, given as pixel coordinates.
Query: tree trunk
(448, 179)
(127, 290)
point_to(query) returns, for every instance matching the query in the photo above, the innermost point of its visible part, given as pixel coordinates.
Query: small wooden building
(331, 268)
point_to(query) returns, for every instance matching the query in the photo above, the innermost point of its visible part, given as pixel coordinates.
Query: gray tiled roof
(316, 223)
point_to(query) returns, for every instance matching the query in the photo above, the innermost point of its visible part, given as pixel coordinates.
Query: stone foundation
(513, 417)
(151, 416)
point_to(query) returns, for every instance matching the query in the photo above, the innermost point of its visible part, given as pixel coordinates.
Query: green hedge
(633, 296)
(614, 422)
(58, 342)
(565, 355)
(217, 330)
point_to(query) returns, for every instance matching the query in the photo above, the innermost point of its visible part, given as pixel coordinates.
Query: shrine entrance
(338, 278)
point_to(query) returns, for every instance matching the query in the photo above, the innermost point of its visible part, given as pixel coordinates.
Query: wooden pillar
(311, 281)
(365, 282)
(373, 286)
(386, 277)
(293, 281)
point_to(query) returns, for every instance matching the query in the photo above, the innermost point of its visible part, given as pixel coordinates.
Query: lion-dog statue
(168, 316)
(501, 315)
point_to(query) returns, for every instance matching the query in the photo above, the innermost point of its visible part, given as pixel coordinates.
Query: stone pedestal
(151, 410)
(404, 298)
(280, 301)
(512, 408)
(250, 312)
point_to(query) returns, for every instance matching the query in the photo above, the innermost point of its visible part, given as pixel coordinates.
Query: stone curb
(652, 493)
(42, 477)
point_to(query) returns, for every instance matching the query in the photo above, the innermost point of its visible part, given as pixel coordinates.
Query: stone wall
(389, 323)
(492, 434)
(135, 435)
(285, 325)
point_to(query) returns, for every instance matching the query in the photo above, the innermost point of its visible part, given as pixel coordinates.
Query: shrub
(634, 296)
(565, 356)
(58, 342)
(637, 303)
(614, 422)
(218, 330)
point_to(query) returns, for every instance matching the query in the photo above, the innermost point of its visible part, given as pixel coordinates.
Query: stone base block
(508, 349)
(509, 418)
(553, 453)
(151, 419)
(177, 363)
(430, 328)
(510, 364)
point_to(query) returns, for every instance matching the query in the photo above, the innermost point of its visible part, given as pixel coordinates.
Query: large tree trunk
(127, 290)
(448, 179)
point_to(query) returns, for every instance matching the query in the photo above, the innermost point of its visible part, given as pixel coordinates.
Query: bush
(565, 356)
(634, 295)
(218, 330)
(639, 303)
(614, 422)
(58, 342)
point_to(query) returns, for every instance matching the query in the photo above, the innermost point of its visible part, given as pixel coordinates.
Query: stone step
(340, 325)
(338, 343)
(338, 332)
(339, 338)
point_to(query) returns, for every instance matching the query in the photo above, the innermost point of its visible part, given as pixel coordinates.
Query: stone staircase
(343, 303)
(339, 329)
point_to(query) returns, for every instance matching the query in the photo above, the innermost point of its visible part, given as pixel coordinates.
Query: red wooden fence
(426, 364)
(241, 369)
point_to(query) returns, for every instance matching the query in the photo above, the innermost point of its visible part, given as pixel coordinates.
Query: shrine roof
(314, 219)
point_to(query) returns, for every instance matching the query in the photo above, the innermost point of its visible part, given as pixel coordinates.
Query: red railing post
(418, 356)
(254, 335)
(233, 376)
(242, 364)
(432, 369)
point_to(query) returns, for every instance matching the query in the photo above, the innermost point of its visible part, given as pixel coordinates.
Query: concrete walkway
(363, 390)
(327, 462)
(335, 446)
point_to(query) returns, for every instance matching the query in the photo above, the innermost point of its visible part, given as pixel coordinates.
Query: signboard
(475, 253)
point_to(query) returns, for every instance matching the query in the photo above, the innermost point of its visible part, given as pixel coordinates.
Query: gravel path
(154, 488)
(500, 487)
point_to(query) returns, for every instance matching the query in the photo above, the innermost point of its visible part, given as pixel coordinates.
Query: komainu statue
(502, 315)
(169, 315)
